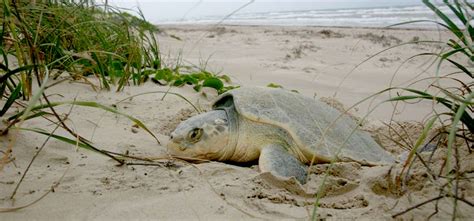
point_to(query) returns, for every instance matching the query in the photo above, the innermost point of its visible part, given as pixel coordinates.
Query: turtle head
(205, 136)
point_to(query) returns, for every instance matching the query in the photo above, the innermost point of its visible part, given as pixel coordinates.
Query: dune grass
(454, 92)
(80, 40)
(74, 39)
(452, 96)
(457, 99)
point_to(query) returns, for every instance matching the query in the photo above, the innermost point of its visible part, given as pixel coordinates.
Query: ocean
(351, 17)
(353, 13)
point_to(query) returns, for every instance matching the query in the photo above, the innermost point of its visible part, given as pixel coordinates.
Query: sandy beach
(316, 61)
(319, 62)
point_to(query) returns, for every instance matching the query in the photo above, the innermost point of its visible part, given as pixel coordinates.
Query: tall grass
(452, 90)
(73, 38)
(451, 93)
(80, 38)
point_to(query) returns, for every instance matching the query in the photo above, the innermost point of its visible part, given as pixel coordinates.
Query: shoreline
(439, 29)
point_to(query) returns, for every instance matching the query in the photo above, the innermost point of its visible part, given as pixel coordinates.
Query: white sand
(305, 59)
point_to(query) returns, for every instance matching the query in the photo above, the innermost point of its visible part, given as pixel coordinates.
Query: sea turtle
(282, 129)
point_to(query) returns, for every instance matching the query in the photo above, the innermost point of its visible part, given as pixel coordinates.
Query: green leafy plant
(198, 79)
(274, 85)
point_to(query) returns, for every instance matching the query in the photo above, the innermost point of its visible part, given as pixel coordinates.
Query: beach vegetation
(449, 128)
(197, 78)
(41, 41)
(274, 85)
(45, 43)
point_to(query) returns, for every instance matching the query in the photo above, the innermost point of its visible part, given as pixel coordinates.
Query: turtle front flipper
(279, 163)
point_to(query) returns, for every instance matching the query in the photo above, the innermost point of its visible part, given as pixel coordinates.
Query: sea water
(358, 17)
(346, 13)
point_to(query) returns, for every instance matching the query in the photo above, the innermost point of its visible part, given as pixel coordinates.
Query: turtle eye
(195, 134)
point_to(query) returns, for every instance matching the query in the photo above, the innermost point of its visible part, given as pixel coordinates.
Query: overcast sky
(165, 10)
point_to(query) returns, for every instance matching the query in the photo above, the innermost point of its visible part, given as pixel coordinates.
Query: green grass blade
(421, 139)
(460, 112)
(465, 117)
(162, 92)
(4, 67)
(36, 97)
(37, 114)
(456, 50)
(101, 70)
(3, 86)
(460, 66)
(60, 138)
(11, 99)
(17, 70)
(470, 5)
(93, 105)
(452, 27)
(374, 55)
(457, 46)
(417, 21)
(457, 11)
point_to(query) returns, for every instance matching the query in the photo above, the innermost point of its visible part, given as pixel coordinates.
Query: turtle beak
(174, 142)
(175, 138)
(172, 135)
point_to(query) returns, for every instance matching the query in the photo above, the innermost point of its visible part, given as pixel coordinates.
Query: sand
(312, 60)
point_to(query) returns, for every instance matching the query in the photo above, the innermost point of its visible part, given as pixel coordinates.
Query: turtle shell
(314, 125)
